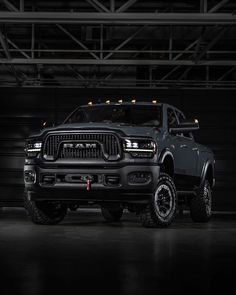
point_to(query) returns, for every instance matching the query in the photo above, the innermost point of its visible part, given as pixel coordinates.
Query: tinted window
(181, 118)
(145, 115)
(172, 120)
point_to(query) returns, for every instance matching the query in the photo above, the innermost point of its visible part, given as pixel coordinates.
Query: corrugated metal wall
(23, 110)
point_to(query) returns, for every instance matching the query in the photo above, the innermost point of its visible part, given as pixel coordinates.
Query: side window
(180, 118)
(171, 117)
(77, 117)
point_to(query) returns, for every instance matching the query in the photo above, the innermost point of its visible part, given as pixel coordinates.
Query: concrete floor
(87, 255)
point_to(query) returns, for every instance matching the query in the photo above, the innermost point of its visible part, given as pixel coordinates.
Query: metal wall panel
(22, 111)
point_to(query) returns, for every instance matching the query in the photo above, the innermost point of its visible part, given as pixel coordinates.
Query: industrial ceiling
(118, 44)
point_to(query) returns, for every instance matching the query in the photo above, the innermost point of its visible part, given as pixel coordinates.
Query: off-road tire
(44, 212)
(201, 204)
(152, 216)
(112, 214)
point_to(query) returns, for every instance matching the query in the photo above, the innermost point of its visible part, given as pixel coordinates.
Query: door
(189, 147)
(184, 150)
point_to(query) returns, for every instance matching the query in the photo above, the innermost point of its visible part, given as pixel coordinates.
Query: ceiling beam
(121, 68)
(98, 5)
(4, 45)
(22, 5)
(218, 6)
(16, 47)
(175, 58)
(226, 73)
(203, 6)
(211, 44)
(75, 71)
(107, 62)
(186, 49)
(130, 83)
(125, 6)
(170, 73)
(112, 5)
(77, 41)
(184, 74)
(127, 40)
(10, 6)
(119, 18)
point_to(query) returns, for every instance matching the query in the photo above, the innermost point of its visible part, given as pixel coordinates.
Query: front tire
(201, 205)
(44, 212)
(162, 206)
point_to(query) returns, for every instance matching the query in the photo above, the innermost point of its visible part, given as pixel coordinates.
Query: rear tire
(44, 212)
(162, 206)
(112, 215)
(201, 205)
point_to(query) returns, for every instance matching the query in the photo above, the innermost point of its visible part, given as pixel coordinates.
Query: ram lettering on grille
(81, 146)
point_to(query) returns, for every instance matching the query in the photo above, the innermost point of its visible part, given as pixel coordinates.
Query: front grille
(107, 146)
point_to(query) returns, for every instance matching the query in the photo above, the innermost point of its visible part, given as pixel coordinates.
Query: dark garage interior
(58, 55)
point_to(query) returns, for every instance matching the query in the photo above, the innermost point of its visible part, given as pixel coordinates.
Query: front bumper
(70, 184)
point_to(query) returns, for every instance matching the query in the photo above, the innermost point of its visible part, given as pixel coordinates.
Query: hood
(125, 130)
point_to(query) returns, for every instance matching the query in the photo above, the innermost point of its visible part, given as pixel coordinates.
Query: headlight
(140, 148)
(32, 148)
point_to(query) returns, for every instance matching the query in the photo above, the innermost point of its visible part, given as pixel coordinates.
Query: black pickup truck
(136, 156)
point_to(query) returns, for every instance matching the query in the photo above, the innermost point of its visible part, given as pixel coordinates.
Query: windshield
(144, 115)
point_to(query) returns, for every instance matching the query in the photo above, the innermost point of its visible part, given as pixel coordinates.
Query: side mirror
(185, 125)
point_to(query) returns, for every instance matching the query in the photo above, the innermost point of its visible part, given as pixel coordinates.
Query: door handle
(195, 149)
(183, 146)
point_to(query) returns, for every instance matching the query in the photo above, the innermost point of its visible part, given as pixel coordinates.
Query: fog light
(30, 176)
(139, 177)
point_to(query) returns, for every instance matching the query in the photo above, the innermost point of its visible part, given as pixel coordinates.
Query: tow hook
(88, 179)
(88, 184)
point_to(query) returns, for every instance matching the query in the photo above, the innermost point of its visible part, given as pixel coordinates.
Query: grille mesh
(109, 141)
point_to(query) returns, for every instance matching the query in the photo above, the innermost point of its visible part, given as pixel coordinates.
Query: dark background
(24, 109)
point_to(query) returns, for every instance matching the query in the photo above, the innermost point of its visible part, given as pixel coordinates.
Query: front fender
(204, 172)
(163, 154)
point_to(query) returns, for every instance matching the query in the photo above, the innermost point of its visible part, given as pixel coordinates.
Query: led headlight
(32, 148)
(140, 148)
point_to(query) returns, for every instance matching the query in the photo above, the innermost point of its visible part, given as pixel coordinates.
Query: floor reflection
(85, 253)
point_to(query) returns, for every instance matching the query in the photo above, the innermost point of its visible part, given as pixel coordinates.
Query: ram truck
(136, 156)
